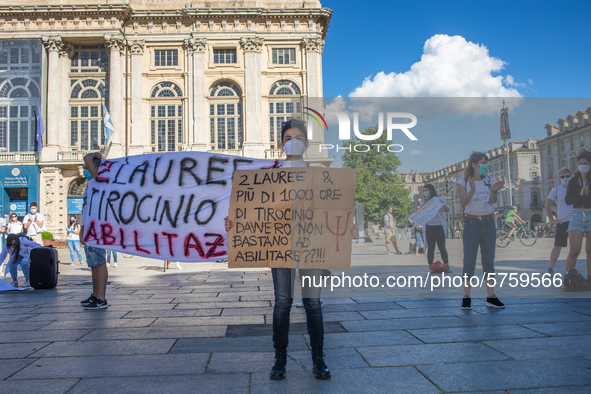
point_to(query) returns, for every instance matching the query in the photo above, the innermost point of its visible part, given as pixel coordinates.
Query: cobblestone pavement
(207, 329)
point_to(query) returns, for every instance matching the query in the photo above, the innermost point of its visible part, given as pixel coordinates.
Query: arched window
(284, 103)
(18, 98)
(225, 116)
(86, 117)
(166, 117)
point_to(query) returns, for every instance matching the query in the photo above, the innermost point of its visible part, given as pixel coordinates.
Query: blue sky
(537, 48)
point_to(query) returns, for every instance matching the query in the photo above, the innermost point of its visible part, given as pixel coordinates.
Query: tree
(378, 183)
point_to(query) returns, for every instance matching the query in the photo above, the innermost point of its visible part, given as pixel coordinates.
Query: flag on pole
(505, 132)
(109, 127)
(40, 129)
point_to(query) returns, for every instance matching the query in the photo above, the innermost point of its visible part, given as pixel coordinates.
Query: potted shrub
(47, 237)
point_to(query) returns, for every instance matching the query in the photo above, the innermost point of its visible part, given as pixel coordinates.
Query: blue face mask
(86, 174)
(483, 169)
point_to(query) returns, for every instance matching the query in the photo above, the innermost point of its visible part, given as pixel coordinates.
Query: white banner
(167, 206)
(427, 211)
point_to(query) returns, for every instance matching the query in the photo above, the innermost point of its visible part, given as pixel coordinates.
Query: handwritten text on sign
(427, 212)
(168, 206)
(292, 218)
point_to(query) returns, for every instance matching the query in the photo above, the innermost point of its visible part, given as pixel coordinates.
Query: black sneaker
(551, 272)
(493, 302)
(576, 281)
(97, 304)
(89, 300)
(466, 303)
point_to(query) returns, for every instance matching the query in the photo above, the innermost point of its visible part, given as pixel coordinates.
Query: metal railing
(20, 157)
(73, 155)
(274, 153)
(231, 152)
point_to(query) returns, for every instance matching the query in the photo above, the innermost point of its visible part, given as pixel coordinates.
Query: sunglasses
(564, 176)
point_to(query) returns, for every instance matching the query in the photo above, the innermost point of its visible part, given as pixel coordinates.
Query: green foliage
(378, 184)
(46, 235)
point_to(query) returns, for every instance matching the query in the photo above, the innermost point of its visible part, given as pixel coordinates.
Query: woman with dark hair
(294, 140)
(577, 195)
(19, 250)
(477, 193)
(436, 227)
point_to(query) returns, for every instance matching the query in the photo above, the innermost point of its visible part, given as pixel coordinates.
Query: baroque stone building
(562, 144)
(218, 76)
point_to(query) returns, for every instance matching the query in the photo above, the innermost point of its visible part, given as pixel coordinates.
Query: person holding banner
(477, 193)
(435, 228)
(95, 257)
(294, 139)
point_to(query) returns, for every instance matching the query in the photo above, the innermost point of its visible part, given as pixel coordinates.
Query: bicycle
(526, 236)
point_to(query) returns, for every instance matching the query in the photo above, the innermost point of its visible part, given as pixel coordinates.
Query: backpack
(439, 267)
(383, 221)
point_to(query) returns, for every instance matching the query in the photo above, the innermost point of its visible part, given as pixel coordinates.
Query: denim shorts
(95, 256)
(581, 220)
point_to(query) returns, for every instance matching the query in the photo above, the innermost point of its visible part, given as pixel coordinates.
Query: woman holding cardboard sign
(294, 140)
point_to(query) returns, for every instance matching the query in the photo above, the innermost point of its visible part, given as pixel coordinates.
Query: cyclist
(510, 220)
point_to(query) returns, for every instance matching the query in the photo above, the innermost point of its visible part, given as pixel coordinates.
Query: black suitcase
(44, 267)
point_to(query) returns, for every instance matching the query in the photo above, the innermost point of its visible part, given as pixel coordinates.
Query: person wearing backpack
(73, 238)
(388, 223)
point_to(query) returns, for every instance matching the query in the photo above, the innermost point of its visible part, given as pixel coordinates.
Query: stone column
(313, 51)
(253, 111)
(136, 48)
(198, 126)
(115, 44)
(64, 58)
(54, 45)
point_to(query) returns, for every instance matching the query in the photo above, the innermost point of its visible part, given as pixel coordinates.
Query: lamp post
(510, 186)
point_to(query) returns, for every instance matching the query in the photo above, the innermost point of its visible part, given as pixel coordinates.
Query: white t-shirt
(478, 204)
(72, 236)
(439, 218)
(565, 211)
(15, 227)
(2, 222)
(389, 222)
(34, 229)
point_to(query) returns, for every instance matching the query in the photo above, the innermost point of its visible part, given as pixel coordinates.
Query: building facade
(526, 178)
(173, 74)
(560, 147)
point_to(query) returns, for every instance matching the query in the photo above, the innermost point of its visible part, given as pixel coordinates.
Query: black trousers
(436, 234)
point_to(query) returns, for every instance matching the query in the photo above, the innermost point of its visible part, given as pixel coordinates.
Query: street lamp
(510, 186)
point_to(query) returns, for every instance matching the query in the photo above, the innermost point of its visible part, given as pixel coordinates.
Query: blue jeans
(109, 256)
(74, 246)
(283, 281)
(25, 265)
(419, 238)
(479, 233)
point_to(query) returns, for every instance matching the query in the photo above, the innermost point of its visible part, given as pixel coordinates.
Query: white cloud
(449, 67)
(416, 152)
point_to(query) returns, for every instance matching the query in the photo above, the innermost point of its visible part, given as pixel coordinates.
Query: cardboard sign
(167, 206)
(292, 218)
(427, 211)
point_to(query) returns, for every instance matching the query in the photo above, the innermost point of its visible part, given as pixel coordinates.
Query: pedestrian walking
(564, 214)
(389, 225)
(436, 228)
(109, 253)
(73, 238)
(477, 193)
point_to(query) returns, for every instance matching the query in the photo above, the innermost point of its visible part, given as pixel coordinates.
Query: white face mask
(564, 181)
(584, 168)
(294, 148)
(426, 194)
